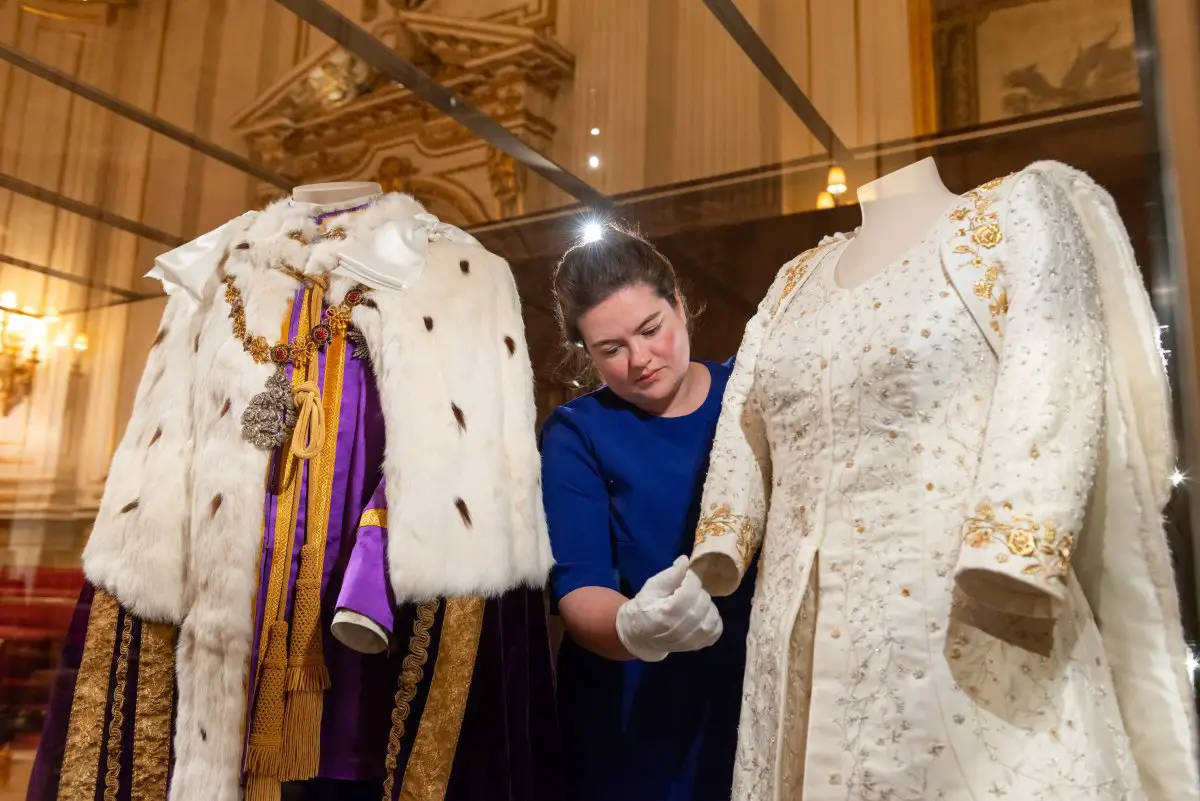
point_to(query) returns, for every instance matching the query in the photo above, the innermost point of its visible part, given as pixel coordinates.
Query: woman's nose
(638, 356)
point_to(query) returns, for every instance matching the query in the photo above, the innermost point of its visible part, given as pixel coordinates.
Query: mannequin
(895, 209)
(336, 193)
(950, 437)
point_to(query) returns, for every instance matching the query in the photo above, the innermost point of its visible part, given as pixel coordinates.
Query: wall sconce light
(25, 336)
(835, 181)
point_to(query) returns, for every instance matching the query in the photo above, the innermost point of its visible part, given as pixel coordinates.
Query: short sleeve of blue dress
(622, 495)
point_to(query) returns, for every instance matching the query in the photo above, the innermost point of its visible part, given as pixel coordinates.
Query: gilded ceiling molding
(397, 174)
(102, 12)
(535, 14)
(333, 118)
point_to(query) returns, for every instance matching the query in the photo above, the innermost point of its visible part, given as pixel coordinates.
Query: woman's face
(639, 344)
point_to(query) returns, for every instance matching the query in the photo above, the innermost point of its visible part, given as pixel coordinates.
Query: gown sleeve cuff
(358, 632)
(1014, 564)
(364, 616)
(725, 546)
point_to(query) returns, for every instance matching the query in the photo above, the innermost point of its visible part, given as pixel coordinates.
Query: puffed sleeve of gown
(136, 548)
(1046, 418)
(737, 491)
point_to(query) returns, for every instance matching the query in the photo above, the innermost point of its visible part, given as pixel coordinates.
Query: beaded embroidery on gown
(891, 684)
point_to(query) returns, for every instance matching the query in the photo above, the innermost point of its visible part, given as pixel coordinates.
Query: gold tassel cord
(264, 751)
(309, 435)
(307, 676)
(285, 740)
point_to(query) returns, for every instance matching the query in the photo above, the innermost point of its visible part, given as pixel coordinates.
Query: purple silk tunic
(356, 719)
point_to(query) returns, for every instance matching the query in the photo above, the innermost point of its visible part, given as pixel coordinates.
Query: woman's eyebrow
(642, 325)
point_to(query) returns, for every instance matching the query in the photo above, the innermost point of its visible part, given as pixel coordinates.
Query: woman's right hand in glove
(671, 613)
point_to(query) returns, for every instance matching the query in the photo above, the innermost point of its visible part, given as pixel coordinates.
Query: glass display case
(732, 133)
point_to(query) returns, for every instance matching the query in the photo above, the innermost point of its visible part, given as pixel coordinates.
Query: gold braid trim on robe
(427, 775)
(152, 721)
(81, 759)
(116, 722)
(412, 669)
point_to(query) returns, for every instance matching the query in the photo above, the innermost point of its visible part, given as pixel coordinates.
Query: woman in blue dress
(623, 470)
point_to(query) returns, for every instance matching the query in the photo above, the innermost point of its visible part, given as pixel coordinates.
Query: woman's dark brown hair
(590, 272)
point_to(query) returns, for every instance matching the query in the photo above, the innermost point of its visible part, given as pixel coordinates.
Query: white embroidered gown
(875, 402)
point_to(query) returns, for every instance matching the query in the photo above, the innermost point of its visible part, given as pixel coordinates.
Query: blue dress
(622, 493)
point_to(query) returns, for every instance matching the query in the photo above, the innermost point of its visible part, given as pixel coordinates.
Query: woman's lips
(648, 377)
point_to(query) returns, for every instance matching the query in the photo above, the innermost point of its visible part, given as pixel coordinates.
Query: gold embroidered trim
(81, 759)
(116, 723)
(152, 721)
(721, 522)
(410, 676)
(984, 233)
(373, 517)
(795, 272)
(427, 774)
(1048, 548)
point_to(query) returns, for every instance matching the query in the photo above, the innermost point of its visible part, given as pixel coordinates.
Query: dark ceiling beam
(742, 32)
(382, 58)
(134, 114)
(50, 272)
(108, 304)
(14, 184)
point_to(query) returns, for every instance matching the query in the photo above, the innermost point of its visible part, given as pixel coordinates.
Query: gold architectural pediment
(325, 117)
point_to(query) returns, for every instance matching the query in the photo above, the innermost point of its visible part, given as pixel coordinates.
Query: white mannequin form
(335, 193)
(897, 210)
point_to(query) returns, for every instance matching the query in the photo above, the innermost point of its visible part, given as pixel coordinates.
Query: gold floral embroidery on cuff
(1047, 548)
(722, 522)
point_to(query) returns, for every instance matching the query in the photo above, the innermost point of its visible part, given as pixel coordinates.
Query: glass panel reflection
(649, 102)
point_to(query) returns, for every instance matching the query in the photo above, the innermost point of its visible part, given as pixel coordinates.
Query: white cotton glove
(671, 613)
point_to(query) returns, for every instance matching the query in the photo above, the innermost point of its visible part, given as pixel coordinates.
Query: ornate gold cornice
(326, 117)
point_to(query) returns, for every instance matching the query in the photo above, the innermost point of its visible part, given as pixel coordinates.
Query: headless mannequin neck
(897, 210)
(337, 193)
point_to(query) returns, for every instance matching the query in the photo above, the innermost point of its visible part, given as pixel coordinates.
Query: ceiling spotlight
(592, 232)
(595, 132)
(594, 162)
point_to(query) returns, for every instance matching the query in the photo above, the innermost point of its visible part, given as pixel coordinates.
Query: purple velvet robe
(500, 744)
